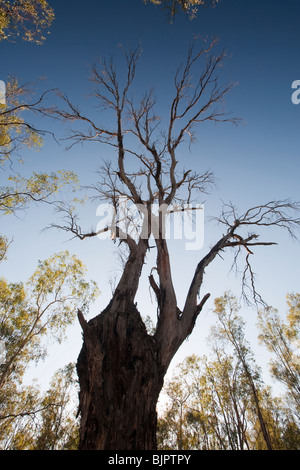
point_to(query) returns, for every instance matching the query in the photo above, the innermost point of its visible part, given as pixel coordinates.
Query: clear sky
(256, 162)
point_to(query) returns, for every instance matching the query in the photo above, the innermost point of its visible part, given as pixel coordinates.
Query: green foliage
(16, 133)
(230, 332)
(31, 314)
(28, 19)
(19, 192)
(44, 306)
(58, 427)
(30, 420)
(282, 338)
(221, 402)
(3, 247)
(39, 188)
(293, 317)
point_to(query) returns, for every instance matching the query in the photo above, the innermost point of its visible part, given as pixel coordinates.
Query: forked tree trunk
(120, 381)
(119, 370)
(121, 367)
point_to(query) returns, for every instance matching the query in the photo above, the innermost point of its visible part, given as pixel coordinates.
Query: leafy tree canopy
(31, 314)
(44, 306)
(16, 134)
(28, 19)
(221, 402)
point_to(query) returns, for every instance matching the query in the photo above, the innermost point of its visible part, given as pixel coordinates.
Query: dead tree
(121, 367)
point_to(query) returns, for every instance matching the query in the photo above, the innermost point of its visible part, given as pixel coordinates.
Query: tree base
(120, 382)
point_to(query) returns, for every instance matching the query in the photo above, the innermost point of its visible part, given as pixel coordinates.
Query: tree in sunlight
(42, 421)
(43, 306)
(31, 314)
(221, 402)
(282, 339)
(29, 20)
(18, 133)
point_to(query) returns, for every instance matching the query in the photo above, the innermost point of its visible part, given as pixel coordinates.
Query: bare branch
(283, 214)
(272, 214)
(195, 102)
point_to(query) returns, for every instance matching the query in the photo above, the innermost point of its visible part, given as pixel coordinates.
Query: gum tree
(31, 315)
(44, 306)
(282, 339)
(231, 329)
(121, 367)
(29, 20)
(19, 106)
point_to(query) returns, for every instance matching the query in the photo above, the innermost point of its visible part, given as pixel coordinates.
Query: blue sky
(256, 162)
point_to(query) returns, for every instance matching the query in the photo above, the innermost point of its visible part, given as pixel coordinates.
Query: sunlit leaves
(32, 420)
(26, 19)
(16, 133)
(293, 316)
(39, 187)
(282, 338)
(56, 425)
(219, 402)
(3, 247)
(32, 314)
(45, 305)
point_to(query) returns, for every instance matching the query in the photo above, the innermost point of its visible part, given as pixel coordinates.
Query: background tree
(43, 307)
(58, 427)
(282, 339)
(42, 421)
(121, 367)
(16, 134)
(220, 410)
(16, 130)
(214, 416)
(232, 331)
(29, 20)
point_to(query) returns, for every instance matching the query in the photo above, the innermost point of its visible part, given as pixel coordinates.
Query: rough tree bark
(119, 371)
(120, 381)
(121, 367)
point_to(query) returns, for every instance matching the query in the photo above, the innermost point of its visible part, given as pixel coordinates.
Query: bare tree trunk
(120, 371)
(120, 381)
(121, 367)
